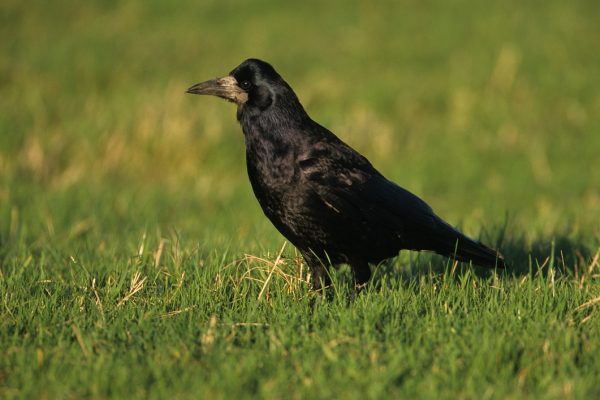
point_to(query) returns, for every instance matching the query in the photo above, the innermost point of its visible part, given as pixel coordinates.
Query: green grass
(135, 261)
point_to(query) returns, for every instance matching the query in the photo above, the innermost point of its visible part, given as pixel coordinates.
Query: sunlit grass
(135, 261)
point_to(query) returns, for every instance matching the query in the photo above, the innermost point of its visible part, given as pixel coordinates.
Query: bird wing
(348, 184)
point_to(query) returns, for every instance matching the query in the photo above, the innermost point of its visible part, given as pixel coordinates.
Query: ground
(135, 261)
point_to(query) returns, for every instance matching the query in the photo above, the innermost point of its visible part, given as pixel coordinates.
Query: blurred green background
(124, 202)
(488, 110)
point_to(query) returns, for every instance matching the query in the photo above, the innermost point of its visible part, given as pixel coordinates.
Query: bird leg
(318, 272)
(362, 274)
(320, 278)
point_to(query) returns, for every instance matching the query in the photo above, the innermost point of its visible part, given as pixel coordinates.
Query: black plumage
(323, 196)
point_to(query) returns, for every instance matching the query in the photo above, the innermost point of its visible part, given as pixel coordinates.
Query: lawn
(135, 261)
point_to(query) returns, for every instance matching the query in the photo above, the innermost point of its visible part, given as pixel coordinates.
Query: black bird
(323, 196)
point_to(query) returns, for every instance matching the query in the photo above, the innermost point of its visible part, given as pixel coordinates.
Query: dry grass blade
(158, 252)
(80, 340)
(259, 324)
(98, 302)
(262, 291)
(454, 266)
(588, 303)
(594, 262)
(176, 312)
(208, 338)
(142, 245)
(137, 284)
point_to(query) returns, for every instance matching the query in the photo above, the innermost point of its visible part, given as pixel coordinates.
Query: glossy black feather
(326, 198)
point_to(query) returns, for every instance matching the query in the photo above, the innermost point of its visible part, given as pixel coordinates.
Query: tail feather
(477, 253)
(454, 244)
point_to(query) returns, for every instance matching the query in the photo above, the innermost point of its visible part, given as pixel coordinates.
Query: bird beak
(226, 88)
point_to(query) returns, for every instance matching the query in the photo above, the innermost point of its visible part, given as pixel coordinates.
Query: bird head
(252, 84)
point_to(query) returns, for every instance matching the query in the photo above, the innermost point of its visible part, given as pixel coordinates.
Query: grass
(135, 261)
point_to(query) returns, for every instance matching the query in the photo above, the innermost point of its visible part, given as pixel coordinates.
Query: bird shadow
(560, 254)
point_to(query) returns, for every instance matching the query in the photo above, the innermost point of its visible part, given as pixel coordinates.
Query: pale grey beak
(226, 88)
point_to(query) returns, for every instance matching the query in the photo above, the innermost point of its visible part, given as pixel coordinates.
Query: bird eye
(245, 85)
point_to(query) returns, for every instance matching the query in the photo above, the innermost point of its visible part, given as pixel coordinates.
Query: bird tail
(455, 245)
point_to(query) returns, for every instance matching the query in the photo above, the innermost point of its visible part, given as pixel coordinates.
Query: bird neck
(270, 128)
(272, 135)
(279, 120)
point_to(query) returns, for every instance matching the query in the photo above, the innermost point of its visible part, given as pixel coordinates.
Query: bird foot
(360, 286)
